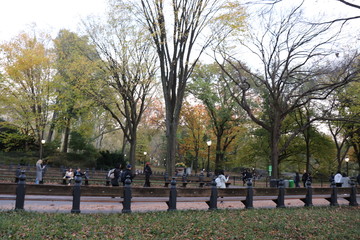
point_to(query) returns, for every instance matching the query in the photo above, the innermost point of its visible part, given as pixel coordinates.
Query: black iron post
(20, 192)
(308, 197)
(333, 198)
(214, 195)
(127, 196)
(172, 198)
(248, 202)
(76, 194)
(280, 202)
(352, 199)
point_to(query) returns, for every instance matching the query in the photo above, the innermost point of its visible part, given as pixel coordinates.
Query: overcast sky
(48, 15)
(52, 15)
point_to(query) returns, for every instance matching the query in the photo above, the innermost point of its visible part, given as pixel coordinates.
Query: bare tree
(129, 67)
(341, 19)
(294, 72)
(177, 53)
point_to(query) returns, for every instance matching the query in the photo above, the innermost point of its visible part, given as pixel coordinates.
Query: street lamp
(144, 157)
(208, 163)
(347, 166)
(42, 148)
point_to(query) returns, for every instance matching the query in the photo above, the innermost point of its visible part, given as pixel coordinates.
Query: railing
(173, 194)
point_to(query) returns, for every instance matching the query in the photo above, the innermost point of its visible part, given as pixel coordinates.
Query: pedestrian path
(115, 207)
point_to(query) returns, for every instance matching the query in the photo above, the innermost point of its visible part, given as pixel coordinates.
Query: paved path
(116, 207)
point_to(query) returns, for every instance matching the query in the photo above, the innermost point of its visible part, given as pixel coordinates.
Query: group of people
(121, 175)
(246, 175)
(305, 178)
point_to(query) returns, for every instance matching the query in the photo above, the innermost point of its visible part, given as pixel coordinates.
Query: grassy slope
(290, 223)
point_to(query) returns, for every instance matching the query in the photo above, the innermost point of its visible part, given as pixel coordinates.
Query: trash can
(291, 183)
(286, 183)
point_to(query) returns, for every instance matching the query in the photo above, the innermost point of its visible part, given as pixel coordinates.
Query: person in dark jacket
(115, 180)
(305, 176)
(297, 180)
(125, 173)
(148, 173)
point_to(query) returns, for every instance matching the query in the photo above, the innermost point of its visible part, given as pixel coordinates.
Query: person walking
(304, 178)
(297, 180)
(148, 173)
(39, 171)
(221, 180)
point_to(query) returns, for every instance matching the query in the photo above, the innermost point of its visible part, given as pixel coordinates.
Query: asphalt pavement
(114, 205)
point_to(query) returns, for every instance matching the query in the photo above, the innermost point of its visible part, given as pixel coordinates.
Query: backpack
(122, 176)
(111, 174)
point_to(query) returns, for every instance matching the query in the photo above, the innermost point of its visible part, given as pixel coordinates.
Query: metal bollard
(76, 194)
(352, 199)
(127, 196)
(308, 198)
(172, 198)
(248, 202)
(214, 195)
(280, 201)
(333, 198)
(20, 192)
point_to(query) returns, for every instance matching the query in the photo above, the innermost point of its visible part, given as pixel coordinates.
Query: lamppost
(347, 166)
(208, 163)
(42, 148)
(144, 157)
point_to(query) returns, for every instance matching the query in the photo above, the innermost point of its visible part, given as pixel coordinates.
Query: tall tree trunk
(66, 135)
(307, 145)
(52, 126)
(275, 139)
(171, 130)
(132, 152)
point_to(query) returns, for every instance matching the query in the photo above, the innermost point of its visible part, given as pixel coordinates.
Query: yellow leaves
(232, 15)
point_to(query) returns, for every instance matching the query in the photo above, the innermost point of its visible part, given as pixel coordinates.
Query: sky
(48, 15)
(52, 15)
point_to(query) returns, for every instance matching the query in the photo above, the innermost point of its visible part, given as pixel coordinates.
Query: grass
(289, 223)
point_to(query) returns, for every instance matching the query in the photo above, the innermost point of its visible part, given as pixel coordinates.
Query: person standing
(338, 179)
(39, 171)
(221, 179)
(297, 180)
(125, 173)
(116, 178)
(17, 174)
(148, 173)
(304, 178)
